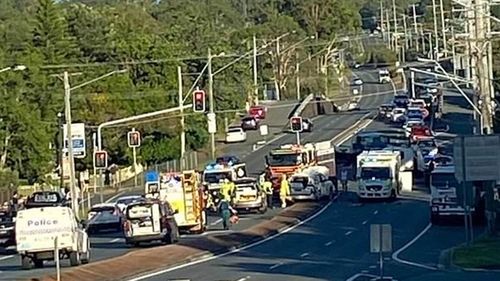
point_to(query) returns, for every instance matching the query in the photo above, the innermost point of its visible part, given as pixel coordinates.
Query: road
(326, 127)
(334, 244)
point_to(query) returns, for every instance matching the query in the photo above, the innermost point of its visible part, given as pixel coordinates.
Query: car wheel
(74, 258)
(26, 263)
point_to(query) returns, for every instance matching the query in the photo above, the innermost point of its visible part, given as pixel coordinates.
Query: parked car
(249, 123)
(235, 134)
(106, 216)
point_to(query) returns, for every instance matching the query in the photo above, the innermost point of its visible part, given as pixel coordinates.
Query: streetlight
(67, 113)
(18, 67)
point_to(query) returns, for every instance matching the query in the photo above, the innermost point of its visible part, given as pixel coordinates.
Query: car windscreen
(234, 130)
(283, 159)
(379, 173)
(443, 180)
(139, 211)
(127, 201)
(109, 209)
(216, 177)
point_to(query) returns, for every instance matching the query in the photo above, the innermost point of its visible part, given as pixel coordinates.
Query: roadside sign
(78, 138)
(264, 131)
(212, 123)
(380, 238)
(476, 158)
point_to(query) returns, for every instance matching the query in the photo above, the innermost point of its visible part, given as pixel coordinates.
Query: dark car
(401, 101)
(105, 216)
(7, 232)
(384, 111)
(307, 125)
(249, 123)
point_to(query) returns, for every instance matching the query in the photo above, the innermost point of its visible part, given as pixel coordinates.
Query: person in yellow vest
(267, 185)
(227, 190)
(284, 191)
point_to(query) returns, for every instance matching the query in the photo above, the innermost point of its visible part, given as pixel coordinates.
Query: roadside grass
(483, 253)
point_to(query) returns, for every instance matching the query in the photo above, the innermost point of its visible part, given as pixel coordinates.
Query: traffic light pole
(298, 137)
(134, 156)
(183, 129)
(211, 101)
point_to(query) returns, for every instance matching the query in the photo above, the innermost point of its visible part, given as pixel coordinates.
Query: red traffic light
(134, 139)
(101, 160)
(296, 124)
(199, 101)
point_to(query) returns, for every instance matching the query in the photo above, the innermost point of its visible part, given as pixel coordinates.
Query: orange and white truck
(289, 159)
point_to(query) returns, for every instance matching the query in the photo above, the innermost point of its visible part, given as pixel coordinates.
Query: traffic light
(296, 124)
(101, 160)
(199, 101)
(134, 139)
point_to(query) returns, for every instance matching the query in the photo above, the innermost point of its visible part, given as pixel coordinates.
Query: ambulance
(216, 172)
(378, 174)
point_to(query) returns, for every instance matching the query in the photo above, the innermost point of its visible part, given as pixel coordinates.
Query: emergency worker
(284, 191)
(227, 190)
(343, 178)
(267, 185)
(225, 212)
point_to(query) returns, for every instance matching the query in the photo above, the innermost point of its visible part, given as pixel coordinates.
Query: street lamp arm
(97, 79)
(5, 69)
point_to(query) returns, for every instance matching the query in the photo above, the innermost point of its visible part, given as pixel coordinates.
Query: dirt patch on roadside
(147, 260)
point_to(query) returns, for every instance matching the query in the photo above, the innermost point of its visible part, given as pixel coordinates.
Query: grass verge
(484, 253)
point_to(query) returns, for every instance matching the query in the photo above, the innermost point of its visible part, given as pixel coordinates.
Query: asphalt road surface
(325, 128)
(334, 244)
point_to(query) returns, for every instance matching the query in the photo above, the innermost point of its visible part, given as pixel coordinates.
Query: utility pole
(434, 14)
(482, 64)
(406, 31)
(391, 35)
(453, 51)
(443, 28)
(382, 27)
(183, 129)
(278, 69)
(415, 25)
(396, 38)
(297, 75)
(211, 100)
(431, 47)
(255, 81)
(67, 113)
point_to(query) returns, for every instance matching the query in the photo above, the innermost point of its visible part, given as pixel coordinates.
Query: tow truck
(378, 174)
(182, 191)
(289, 159)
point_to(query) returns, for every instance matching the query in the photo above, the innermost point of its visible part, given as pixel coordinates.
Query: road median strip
(143, 261)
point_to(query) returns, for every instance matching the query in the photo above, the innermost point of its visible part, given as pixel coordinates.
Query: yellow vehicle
(186, 198)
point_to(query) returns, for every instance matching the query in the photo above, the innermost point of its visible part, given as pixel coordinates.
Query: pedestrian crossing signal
(101, 160)
(296, 124)
(199, 101)
(134, 139)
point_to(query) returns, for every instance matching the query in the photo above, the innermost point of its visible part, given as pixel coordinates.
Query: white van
(36, 230)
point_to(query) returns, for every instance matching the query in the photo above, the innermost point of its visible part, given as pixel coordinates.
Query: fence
(192, 161)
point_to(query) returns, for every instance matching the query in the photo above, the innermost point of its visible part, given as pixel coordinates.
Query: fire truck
(184, 193)
(290, 158)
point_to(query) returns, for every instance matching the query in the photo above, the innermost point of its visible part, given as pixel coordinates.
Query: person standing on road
(225, 211)
(343, 179)
(267, 185)
(284, 191)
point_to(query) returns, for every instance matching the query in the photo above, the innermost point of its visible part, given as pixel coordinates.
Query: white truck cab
(378, 174)
(215, 173)
(311, 183)
(36, 233)
(444, 193)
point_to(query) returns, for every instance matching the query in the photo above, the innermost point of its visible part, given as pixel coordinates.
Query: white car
(417, 103)
(398, 114)
(353, 105)
(124, 201)
(235, 134)
(358, 82)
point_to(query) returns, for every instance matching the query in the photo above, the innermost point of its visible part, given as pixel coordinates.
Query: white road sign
(477, 158)
(212, 123)
(264, 131)
(78, 138)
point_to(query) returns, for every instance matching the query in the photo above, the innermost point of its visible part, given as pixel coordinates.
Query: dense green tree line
(90, 38)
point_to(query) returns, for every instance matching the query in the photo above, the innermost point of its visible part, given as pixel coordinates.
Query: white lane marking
(396, 254)
(364, 222)
(210, 257)
(275, 265)
(244, 278)
(115, 240)
(216, 222)
(358, 275)
(375, 212)
(304, 255)
(348, 233)
(328, 243)
(6, 257)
